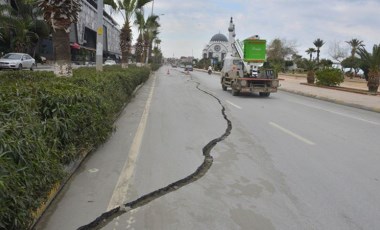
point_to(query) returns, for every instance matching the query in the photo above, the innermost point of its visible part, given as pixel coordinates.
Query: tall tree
(151, 33)
(310, 52)
(157, 42)
(372, 61)
(21, 29)
(148, 31)
(355, 44)
(318, 44)
(139, 49)
(337, 52)
(60, 14)
(141, 27)
(128, 8)
(277, 51)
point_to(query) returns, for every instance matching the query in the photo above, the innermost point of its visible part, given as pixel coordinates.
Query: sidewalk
(293, 84)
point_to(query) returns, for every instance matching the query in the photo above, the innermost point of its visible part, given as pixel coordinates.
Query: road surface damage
(108, 216)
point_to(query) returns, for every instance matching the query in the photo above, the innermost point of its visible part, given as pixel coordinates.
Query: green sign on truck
(254, 50)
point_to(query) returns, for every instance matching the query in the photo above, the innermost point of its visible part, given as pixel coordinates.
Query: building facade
(84, 31)
(217, 48)
(220, 45)
(83, 36)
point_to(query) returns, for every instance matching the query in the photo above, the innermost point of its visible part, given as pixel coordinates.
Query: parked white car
(17, 61)
(110, 62)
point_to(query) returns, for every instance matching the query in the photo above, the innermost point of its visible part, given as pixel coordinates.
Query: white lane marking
(236, 106)
(93, 170)
(122, 185)
(338, 113)
(292, 134)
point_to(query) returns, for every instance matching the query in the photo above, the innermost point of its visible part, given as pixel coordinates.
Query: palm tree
(310, 67)
(157, 42)
(141, 26)
(148, 31)
(372, 60)
(128, 8)
(139, 49)
(151, 33)
(20, 29)
(310, 51)
(318, 43)
(59, 15)
(355, 44)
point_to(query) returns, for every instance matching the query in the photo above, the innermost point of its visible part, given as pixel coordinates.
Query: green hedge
(329, 77)
(45, 123)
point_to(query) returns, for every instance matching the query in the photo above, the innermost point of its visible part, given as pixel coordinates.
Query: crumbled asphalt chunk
(108, 216)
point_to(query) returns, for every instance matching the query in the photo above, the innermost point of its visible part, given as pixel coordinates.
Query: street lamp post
(99, 38)
(152, 7)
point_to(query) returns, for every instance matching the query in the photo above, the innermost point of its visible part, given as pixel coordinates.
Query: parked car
(17, 61)
(110, 62)
(188, 68)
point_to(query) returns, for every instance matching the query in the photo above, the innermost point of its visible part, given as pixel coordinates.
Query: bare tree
(338, 52)
(280, 49)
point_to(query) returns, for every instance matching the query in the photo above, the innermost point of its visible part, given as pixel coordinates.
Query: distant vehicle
(182, 65)
(188, 68)
(110, 62)
(17, 61)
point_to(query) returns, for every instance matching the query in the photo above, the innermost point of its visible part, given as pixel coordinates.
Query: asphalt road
(290, 162)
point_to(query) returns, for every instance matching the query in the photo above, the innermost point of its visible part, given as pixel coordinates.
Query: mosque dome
(219, 38)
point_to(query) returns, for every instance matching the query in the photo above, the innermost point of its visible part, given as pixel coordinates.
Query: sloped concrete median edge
(70, 170)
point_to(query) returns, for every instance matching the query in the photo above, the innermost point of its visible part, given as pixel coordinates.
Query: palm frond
(371, 59)
(141, 3)
(111, 3)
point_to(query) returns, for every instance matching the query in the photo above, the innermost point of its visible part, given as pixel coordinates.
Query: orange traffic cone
(168, 72)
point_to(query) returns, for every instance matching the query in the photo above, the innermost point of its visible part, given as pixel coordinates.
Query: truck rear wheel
(264, 94)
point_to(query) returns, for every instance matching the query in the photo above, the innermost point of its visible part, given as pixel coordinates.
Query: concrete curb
(345, 89)
(373, 109)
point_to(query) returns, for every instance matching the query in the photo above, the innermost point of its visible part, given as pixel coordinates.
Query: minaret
(231, 37)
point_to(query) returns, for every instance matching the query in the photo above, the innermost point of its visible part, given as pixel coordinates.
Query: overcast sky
(187, 26)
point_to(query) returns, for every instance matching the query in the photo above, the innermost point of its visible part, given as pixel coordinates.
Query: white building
(217, 48)
(220, 45)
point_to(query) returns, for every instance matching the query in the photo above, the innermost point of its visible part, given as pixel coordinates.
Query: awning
(75, 46)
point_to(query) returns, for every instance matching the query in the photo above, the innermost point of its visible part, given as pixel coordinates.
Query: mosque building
(220, 45)
(217, 48)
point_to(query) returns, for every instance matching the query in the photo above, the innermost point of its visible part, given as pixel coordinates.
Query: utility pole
(152, 7)
(99, 38)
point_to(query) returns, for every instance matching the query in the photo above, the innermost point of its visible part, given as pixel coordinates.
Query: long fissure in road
(108, 216)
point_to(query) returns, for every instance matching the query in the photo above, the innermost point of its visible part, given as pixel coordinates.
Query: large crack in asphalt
(108, 216)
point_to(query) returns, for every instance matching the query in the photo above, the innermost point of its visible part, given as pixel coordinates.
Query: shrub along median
(45, 124)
